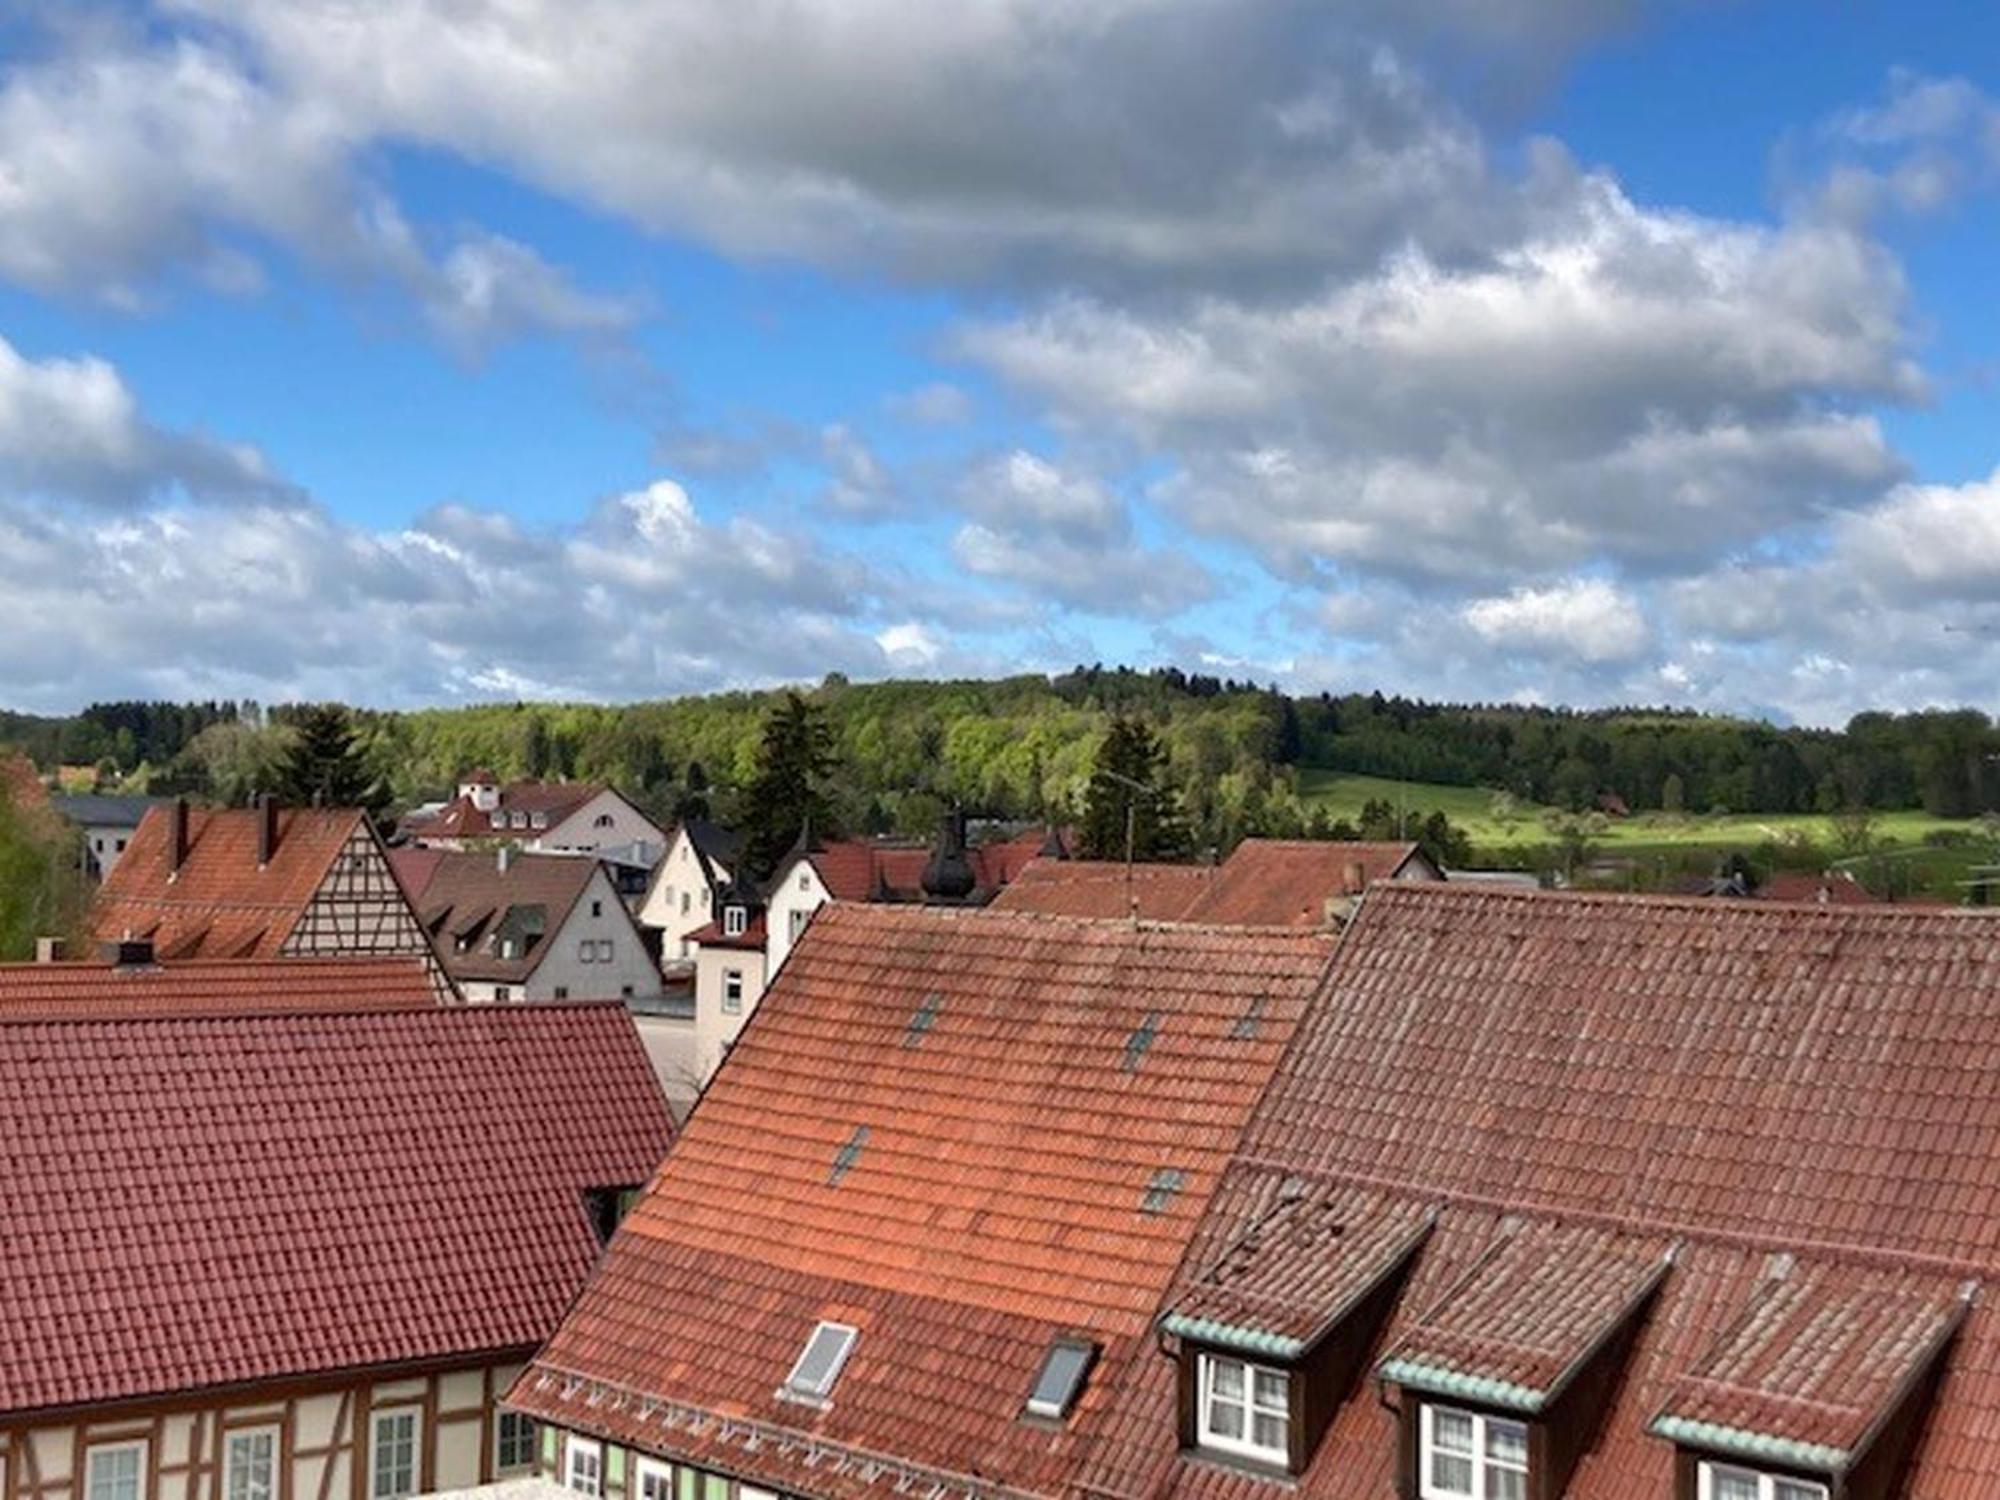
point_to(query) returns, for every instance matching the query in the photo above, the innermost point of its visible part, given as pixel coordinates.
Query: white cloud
(73, 427)
(938, 403)
(1586, 618)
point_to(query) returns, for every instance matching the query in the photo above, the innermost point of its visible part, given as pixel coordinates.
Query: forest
(1022, 747)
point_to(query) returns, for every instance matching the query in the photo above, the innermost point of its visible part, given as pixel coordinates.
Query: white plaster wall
(715, 1029)
(579, 833)
(793, 901)
(679, 880)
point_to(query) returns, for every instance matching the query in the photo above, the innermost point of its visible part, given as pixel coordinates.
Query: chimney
(1356, 877)
(129, 953)
(504, 859)
(177, 852)
(267, 828)
(49, 950)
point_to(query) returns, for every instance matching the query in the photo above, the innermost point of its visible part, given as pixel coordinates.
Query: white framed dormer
(1243, 1410)
(1725, 1481)
(250, 1463)
(395, 1452)
(115, 1471)
(1468, 1455)
(583, 1465)
(734, 920)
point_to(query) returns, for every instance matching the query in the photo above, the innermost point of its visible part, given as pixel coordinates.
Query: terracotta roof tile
(459, 818)
(1014, 1124)
(202, 1202)
(1289, 882)
(213, 986)
(221, 903)
(1751, 1080)
(1100, 888)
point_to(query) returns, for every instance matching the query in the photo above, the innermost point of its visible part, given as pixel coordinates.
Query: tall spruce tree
(327, 765)
(789, 791)
(1130, 779)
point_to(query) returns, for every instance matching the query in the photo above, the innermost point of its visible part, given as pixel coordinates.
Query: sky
(1547, 351)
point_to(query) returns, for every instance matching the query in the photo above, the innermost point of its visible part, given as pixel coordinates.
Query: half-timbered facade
(258, 882)
(298, 1255)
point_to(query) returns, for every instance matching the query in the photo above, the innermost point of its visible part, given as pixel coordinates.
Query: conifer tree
(789, 791)
(1129, 787)
(327, 765)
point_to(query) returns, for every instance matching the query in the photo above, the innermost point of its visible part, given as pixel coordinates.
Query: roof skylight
(1141, 1040)
(923, 1020)
(849, 1153)
(819, 1364)
(1061, 1378)
(1160, 1191)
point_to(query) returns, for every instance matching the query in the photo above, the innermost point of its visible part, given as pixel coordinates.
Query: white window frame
(101, 1451)
(234, 1435)
(501, 1419)
(376, 1419)
(583, 1447)
(732, 992)
(848, 1335)
(1481, 1461)
(1767, 1484)
(1245, 1446)
(734, 920)
(643, 1469)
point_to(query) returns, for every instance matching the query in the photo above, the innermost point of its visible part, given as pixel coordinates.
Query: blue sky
(1546, 350)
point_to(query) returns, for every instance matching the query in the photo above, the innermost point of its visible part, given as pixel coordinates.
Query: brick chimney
(267, 828)
(504, 859)
(177, 836)
(1355, 878)
(50, 950)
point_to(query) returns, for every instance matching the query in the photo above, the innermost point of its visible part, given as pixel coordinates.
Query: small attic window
(1141, 1040)
(1247, 1023)
(1061, 1378)
(1728, 1482)
(849, 1153)
(734, 920)
(1160, 1191)
(819, 1364)
(923, 1019)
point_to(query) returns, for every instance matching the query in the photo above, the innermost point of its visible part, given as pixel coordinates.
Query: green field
(1910, 845)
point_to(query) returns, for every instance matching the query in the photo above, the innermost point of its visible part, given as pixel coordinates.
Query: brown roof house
(1602, 1197)
(1263, 883)
(550, 817)
(913, 1238)
(292, 1248)
(515, 926)
(256, 882)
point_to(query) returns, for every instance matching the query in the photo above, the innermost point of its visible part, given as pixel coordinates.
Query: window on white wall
(1468, 1456)
(115, 1471)
(515, 1441)
(734, 920)
(656, 1480)
(393, 1453)
(732, 992)
(583, 1467)
(250, 1464)
(798, 923)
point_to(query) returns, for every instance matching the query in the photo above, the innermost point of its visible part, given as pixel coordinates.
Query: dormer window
(1729, 1482)
(1244, 1410)
(734, 920)
(1471, 1456)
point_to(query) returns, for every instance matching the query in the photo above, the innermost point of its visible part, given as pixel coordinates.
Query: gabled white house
(545, 817)
(687, 886)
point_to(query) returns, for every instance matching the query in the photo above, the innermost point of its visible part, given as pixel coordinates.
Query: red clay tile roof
(1818, 1353)
(940, 1127)
(862, 870)
(197, 1203)
(1527, 1317)
(1750, 1079)
(1290, 882)
(1298, 1266)
(221, 904)
(459, 818)
(213, 987)
(752, 937)
(1839, 889)
(1099, 888)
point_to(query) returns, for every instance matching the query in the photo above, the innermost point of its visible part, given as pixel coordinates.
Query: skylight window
(1247, 1023)
(849, 1153)
(1141, 1040)
(1160, 1191)
(923, 1020)
(819, 1364)
(1061, 1378)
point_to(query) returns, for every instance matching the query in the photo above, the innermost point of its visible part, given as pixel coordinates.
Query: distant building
(108, 825)
(547, 817)
(1263, 883)
(126, 981)
(687, 885)
(1833, 888)
(914, 1234)
(516, 926)
(296, 1248)
(731, 958)
(256, 882)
